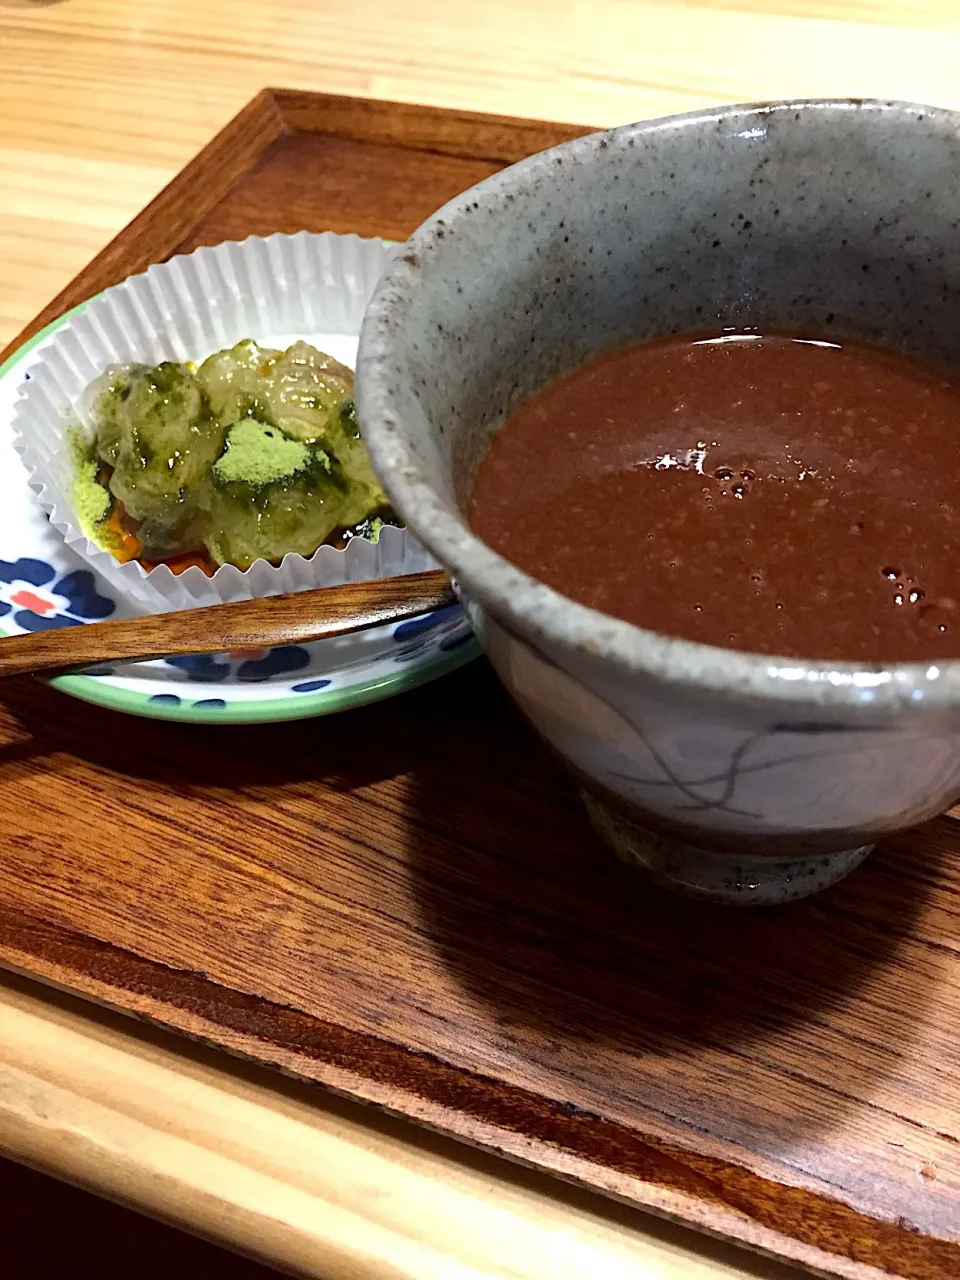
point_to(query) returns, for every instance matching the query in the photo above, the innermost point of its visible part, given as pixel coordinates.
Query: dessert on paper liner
(295, 303)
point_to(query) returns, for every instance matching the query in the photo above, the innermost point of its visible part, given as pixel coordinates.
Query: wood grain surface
(398, 909)
(406, 905)
(329, 163)
(103, 101)
(286, 1172)
(246, 624)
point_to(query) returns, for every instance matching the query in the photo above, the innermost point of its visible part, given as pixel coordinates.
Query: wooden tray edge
(581, 1147)
(159, 229)
(442, 130)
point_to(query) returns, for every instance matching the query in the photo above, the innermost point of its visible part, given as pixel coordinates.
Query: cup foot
(743, 880)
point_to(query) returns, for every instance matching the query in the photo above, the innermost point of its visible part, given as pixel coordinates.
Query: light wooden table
(101, 102)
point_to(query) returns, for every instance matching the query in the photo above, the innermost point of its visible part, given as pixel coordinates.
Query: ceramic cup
(729, 775)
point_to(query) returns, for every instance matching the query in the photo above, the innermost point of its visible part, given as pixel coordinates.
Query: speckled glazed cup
(729, 775)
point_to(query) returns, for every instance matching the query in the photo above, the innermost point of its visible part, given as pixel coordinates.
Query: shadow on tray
(764, 1027)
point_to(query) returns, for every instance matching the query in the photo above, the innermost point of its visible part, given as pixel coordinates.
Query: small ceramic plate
(43, 584)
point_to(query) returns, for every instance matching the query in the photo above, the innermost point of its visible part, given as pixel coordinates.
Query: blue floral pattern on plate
(440, 632)
(37, 599)
(249, 666)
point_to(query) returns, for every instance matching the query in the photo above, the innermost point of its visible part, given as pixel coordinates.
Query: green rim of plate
(267, 710)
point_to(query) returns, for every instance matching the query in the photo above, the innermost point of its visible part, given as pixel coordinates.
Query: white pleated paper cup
(275, 290)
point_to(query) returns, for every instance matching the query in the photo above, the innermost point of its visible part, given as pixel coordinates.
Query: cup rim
(545, 613)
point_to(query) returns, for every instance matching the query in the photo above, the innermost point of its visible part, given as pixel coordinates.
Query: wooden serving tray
(405, 903)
